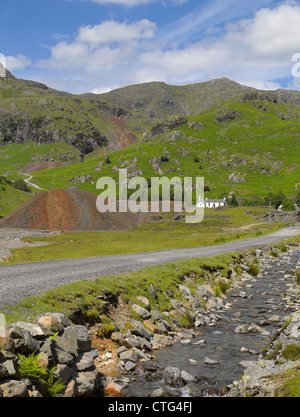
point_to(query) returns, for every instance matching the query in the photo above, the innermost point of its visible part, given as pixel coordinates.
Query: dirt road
(21, 281)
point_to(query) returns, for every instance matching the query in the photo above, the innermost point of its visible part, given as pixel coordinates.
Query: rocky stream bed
(237, 345)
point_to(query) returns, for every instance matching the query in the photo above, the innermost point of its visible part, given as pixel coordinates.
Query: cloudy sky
(98, 45)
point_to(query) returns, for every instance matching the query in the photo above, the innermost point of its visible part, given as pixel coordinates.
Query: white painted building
(212, 203)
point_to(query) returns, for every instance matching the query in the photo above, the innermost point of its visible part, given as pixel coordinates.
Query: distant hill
(240, 139)
(157, 100)
(249, 145)
(30, 111)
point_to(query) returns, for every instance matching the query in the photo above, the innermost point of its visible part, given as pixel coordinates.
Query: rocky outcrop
(19, 129)
(172, 123)
(227, 115)
(263, 378)
(57, 344)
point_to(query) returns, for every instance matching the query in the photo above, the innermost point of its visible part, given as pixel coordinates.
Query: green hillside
(249, 147)
(10, 198)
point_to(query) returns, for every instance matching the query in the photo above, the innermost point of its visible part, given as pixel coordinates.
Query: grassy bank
(86, 296)
(219, 226)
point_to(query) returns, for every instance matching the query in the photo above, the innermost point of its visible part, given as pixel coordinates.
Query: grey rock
(158, 393)
(176, 304)
(129, 355)
(84, 339)
(130, 366)
(34, 330)
(153, 292)
(156, 315)
(64, 372)
(116, 337)
(172, 376)
(209, 361)
(83, 385)
(23, 341)
(142, 332)
(7, 370)
(82, 363)
(184, 290)
(12, 388)
(187, 378)
(141, 311)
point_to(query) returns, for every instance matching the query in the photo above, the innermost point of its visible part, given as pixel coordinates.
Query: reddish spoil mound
(68, 210)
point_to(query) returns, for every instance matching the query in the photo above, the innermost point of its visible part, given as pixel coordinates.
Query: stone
(116, 337)
(64, 372)
(129, 355)
(49, 350)
(172, 376)
(131, 342)
(184, 290)
(92, 376)
(34, 330)
(63, 356)
(159, 392)
(240, 329)
(23, 341)
(53, 322)
(141, 332)
(130, 366)
(156, 315)
(7, 370)
(12, 388)
(162, 339)
(70, 389)
(84, 339)
(209, 361)
(254, 329)
(187, 378)
(176, 304)
(246, 364)
(83, 385)
(153, 291)
(152, 327)
(114, 389)
(275, 319)
(145, 314)
(43, 360)
(144, 300)
(83, 363)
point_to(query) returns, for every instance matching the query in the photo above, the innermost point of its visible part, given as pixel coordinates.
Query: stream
(260, 304)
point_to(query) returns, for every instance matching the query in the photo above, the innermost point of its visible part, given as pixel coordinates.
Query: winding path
(24, 280)
(27, 180)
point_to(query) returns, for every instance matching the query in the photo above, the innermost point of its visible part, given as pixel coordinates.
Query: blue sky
(98, 45)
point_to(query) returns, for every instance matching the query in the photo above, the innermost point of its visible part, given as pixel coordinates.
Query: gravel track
(24, 280)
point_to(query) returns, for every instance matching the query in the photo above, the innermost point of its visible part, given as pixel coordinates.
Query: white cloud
(16, 63)
(112, 31)
(257, 50)
(102, 47)
(260, 48)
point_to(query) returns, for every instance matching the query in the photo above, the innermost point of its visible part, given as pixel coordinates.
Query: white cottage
(212, 203)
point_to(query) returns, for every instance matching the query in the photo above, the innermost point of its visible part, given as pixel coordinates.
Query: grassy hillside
(249, 147)
(32, 111)
(10, 198)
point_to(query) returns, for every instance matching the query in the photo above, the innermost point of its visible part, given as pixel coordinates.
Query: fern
(30, 368)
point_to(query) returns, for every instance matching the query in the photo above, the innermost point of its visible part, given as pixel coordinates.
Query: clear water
(222, 343)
